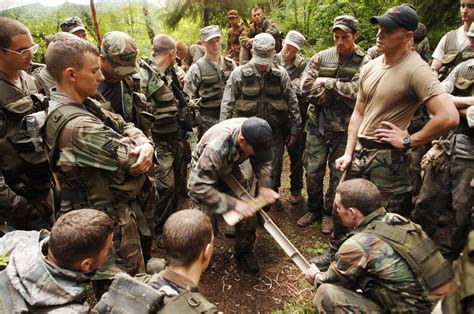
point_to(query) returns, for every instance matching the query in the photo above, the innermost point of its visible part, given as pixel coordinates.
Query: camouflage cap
(263, 49)
(296, 39)
(347, 23)
(72, 24)
(232, 13)
(121, 51)
(210, 32)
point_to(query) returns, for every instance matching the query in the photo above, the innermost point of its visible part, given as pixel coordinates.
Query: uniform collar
(179, 280)
(368, 219)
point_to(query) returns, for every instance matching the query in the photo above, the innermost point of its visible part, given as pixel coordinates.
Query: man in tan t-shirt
(391, 89)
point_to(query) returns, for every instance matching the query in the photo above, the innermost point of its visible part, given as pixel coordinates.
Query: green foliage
(318, 248)
(4, 258)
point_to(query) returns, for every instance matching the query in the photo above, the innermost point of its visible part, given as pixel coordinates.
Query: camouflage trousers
(415, 167)
(322, 150)
(209, 117)
(444, 188)
(295, 153)
(335, 299)
(278, 148)
(169, 175)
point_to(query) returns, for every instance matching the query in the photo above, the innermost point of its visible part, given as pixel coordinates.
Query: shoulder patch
(246, 71)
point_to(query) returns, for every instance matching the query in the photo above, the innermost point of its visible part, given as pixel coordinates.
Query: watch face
(406, 140)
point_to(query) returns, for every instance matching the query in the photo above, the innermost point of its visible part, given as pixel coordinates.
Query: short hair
(181, 45)
(420, 33)
(10, 28)
(257, 7)
(185, 234)
(162, 44)
(67, 52)
(79, 234)
(360, 194)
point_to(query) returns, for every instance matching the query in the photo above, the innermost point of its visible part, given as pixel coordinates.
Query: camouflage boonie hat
(296, 39)
(232, 13)
(121, 51)
(263, 49)
(347, 23)
(210, 32)
(72, 24)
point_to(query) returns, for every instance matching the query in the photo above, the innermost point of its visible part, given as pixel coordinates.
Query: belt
(370, 144)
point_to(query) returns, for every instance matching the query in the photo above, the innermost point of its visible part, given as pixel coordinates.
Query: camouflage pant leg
(278, 147)
(433, 199)
(389, 170)
(415, 167)
(335, 299)
(322, 150)
(169, 155)
(295, 153)
(462, 172)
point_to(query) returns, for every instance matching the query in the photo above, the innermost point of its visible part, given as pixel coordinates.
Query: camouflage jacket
(333, 101)
(233, 44)
(218, 154)
(294, 70)
(253, 30)
(30, 283)
(235, 83)
(366, 262)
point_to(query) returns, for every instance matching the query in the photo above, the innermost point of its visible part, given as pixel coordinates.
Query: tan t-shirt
(394, 92)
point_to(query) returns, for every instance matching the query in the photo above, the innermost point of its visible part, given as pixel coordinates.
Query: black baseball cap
(396, 17)
(258, 134)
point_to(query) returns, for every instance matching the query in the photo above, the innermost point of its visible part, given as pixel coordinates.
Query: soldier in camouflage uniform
(367, 262)
(449, 167)
(294, 64)
(74, 25)
(166, 102)
(46, 271)
(26, 199)
(258, 25)
(99, 160)
(263, 89)
(233, 43)
(330, 81)
(378, 144)
(207, 77)
(454, 48)
(220, 152)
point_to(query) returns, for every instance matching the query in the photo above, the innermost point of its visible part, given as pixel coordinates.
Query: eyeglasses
(24, 52)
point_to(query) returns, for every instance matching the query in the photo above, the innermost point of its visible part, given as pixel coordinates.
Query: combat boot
(327, 225)
(323, 261)
(296, 198)
(247, 262)
(307, 219)
(278, 206)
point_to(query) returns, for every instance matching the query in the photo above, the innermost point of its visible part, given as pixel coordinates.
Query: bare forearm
(436, 127)
(462, 102)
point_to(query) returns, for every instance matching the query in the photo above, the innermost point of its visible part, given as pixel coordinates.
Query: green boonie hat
(121, 51)
(210, 32)
(347, 23)
(72, 24)
(263, 49)
(232, 13)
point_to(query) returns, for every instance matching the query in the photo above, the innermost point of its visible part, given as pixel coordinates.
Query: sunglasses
(24, 52)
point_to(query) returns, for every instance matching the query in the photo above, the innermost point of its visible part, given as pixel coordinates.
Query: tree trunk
(148, 22)
(206, 18)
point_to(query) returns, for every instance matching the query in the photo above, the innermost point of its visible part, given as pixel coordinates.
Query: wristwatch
(406, 142)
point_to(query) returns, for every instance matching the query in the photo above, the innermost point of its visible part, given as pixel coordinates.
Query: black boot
(247, 261)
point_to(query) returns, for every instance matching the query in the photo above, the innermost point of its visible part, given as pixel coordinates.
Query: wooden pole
(96, 23)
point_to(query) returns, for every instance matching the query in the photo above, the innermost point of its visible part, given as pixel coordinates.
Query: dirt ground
(279, 287)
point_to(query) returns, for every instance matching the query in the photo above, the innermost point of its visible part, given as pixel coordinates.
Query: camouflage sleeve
(203, 181)
(273, 29)
(350, 264)
(244, 37)
(9, 200)
(192, 80)
(309, 87)
(263, 172)
(129, 129)
(295, 123)
(232, 88)
(87, 142)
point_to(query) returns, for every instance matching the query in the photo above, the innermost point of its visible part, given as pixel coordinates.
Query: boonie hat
(72, 24)
(258, 134)
(122, 51)
(210, 32)
(396, 17)
(296, 39)
(232, 13)
(263, 49)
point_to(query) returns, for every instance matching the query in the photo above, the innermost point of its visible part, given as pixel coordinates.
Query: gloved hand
(435, 158)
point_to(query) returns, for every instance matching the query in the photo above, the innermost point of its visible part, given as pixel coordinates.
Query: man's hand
(343, 162)
(392, 135)
(290, 140)
(310, 273)
(321, 80)
(145, 158)
(246, 210)
(268, 195)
